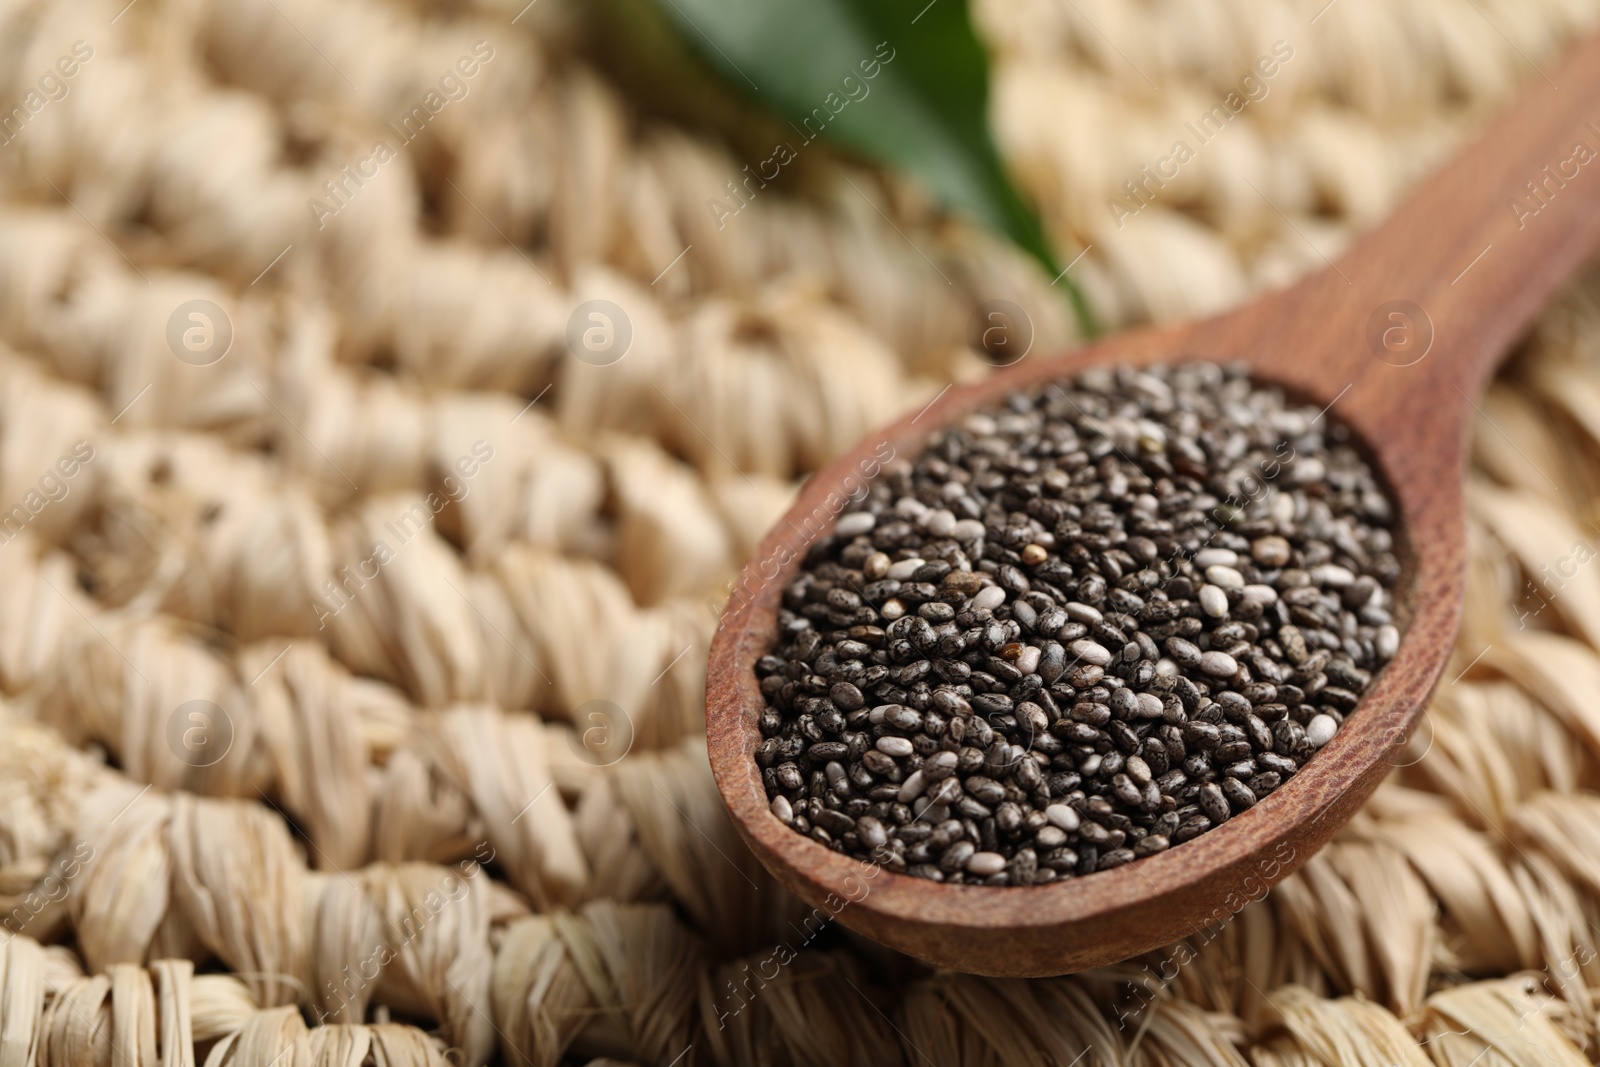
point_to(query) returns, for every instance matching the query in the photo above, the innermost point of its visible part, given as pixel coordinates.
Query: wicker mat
(325, 557)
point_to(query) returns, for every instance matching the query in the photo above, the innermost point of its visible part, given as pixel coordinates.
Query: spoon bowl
(1398, 339)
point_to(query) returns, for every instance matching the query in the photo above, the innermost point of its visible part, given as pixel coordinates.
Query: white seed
(1149, 383)
(984, 864)
(898, 747)
(1261, 594)
(1332, 574)
(982, 425)
(953, 490)
(1091, 652)
(988, 598)
(1216, 557)
(912, 787)
(1014, 425)
(782, 809)
(1062, 816)
(910, 507)
(1308, 470)
(1051, 837)
(1387, 643)
(1226, 577)
(903, 569)
(967, 530)
(855, 523)
(892, 609)
(1152, 435)
(1028, 661)
(1166, 667)
(1084, 613)
(941, 522)
(1213, 601)
(1282, 507)
(1320, 730)
(1150, 704)
(876, 566)
(876, 715)
(1289, 423)
(1218, 664)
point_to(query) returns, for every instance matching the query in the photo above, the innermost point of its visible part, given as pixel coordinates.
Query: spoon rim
(944, 923)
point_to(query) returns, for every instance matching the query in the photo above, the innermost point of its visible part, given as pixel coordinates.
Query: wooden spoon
(1398, 338)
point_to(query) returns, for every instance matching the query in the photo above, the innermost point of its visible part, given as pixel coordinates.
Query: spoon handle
(1425, 306)
(1486, 242)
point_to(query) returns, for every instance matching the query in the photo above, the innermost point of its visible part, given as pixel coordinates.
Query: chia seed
(1081, 627)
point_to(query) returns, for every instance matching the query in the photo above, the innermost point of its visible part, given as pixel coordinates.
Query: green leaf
(904, 83)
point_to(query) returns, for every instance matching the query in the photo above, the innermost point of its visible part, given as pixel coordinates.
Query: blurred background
(390, 393)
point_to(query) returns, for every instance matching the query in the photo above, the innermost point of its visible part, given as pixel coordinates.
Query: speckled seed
(847, 696)
(898, 747)
(1218, 664)
(1320, 730)
(956, 856)
(985, 864)
(940, 765)
(1213, 803)
(1213, 601)
(1270, 551)
(855, 523)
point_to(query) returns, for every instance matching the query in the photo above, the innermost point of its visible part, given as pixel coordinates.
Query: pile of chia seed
(1080, 628)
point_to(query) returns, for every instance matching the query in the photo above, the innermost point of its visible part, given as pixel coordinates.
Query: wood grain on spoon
(1399, 337)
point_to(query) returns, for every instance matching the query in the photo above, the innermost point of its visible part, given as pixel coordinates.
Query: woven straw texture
(404, 854)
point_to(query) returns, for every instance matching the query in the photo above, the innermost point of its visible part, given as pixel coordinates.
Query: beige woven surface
(407, 856)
